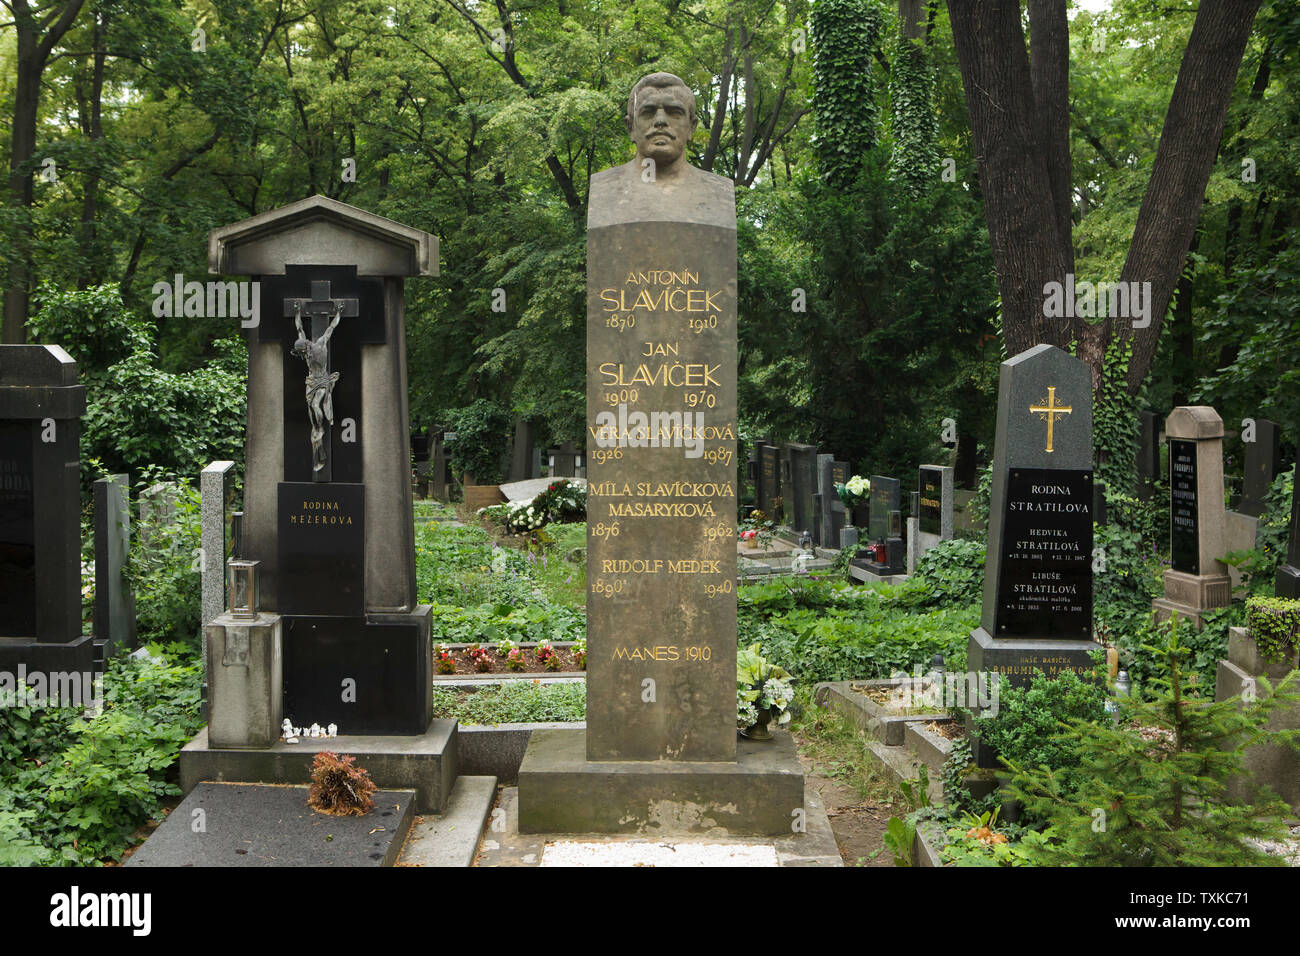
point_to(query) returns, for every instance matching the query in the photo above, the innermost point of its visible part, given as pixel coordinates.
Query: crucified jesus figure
(320, 380)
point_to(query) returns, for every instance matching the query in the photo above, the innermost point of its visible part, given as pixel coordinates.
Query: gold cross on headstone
(1050, 411)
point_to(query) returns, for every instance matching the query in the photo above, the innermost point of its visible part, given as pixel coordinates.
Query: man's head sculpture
(661, 119)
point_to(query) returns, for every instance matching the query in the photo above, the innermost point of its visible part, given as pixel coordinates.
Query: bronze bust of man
(659, 182)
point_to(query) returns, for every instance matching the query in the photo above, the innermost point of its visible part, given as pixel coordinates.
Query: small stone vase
(759, 730)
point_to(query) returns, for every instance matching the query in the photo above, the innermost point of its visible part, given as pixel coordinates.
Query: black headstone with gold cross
(1037, 611)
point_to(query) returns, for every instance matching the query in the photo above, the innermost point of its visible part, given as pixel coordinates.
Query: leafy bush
(1274, 623)
(872, 641)
(1204, 649)
(952, 572)
(482, 430)
(1123, 590)
(488, 624)
(1028, 727)
(74, 789)
(1149, 519)
(137, 413)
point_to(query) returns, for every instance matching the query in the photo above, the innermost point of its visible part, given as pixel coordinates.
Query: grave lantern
(243, 589)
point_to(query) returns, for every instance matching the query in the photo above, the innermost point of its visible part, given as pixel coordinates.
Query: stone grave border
(915, 747)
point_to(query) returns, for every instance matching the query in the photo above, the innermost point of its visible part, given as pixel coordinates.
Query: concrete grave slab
(250, 825)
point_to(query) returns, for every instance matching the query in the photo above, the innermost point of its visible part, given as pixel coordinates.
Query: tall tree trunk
(90, 273)
(33, 51)
(1188, 146)
(1049, 66)
(1014, 124)
(1019, 204)
(1183, 361)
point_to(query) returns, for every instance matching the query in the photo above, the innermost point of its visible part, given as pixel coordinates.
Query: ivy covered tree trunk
(914, 162)
(844, 34)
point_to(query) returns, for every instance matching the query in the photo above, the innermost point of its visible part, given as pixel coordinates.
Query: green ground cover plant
(75, 788)
(515, 702)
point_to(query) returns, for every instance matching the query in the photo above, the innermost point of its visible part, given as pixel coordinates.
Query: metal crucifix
(324, 314)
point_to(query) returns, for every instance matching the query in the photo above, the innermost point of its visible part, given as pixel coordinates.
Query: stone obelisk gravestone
(41, 406)
(1037, 611)
(1198, 579)
(339, 636)
(660, 748)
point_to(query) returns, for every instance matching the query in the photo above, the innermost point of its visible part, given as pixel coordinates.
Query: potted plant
(763, 694)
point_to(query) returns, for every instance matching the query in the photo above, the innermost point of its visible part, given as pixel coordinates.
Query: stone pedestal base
(1276, 767)
(245, 681)
(48, 657)
(1015, 661)
(895, 562)
(1190, 594)
(384, 660)
(426, 763)
(560, 791)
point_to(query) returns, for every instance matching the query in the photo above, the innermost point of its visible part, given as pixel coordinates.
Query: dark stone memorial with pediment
(1198, 521)
(338, 636)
